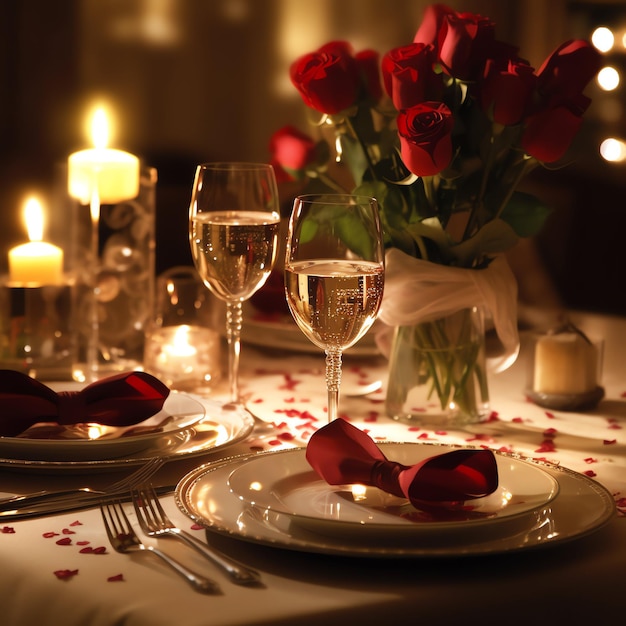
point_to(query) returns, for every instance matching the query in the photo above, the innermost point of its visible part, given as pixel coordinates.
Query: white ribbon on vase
(420, 291)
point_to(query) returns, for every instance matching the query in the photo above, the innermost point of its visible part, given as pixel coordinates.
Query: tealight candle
(36, 262)
(113, 175)
(565, 363)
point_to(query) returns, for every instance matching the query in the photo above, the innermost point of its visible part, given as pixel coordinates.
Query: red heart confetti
(65, 574)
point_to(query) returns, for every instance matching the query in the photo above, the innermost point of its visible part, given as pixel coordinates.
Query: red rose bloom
(328, 80)
(409, 77)
(549, 133)
(505, 94)
(292, 150)
(425, 132)
(434, 24)
(367, 62)
(566, 72)
(467, 44)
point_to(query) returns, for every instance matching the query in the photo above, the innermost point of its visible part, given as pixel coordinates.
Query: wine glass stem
(233, 335)
(333, 380)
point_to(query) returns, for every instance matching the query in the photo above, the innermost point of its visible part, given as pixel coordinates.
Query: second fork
(155, 523)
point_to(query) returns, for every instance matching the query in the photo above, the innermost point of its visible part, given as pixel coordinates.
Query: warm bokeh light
(608, 78)
(603, 39)
(613, 150)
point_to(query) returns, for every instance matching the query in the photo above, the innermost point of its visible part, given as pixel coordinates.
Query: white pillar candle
(113, 175)
(36, 262)
(565, 363)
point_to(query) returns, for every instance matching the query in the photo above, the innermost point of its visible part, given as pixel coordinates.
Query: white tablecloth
(578, 582)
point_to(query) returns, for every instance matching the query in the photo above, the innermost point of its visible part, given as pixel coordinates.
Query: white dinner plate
(97, 442)
(581, 507)
(285, 483)
(222, 425)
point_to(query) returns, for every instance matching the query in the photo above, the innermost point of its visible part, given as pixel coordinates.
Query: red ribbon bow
(342, 454)
(121, 400)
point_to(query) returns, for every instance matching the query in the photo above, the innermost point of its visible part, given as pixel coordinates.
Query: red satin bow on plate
(120, 400)
(342, 454)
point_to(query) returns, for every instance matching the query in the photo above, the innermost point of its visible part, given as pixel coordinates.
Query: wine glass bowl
(334, 274)
(233, 234)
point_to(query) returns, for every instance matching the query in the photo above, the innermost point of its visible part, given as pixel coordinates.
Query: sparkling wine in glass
(233, 232)
(334, 275)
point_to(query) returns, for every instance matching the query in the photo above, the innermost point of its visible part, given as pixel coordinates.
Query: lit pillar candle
(35, 262)
(112, 175)
(565, 363)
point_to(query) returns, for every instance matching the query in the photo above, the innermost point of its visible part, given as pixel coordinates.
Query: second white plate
(285, 483)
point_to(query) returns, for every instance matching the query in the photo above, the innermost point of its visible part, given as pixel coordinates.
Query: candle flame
(33, 216)
(100, 128)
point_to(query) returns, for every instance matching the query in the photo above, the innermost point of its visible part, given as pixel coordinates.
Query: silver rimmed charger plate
(222, 426)
(581, 507)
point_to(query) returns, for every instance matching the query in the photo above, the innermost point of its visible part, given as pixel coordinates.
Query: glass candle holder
(115, 291)
(37, 293)
(181, 346)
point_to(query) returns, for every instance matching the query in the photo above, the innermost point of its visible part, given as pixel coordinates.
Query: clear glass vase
(437, 371)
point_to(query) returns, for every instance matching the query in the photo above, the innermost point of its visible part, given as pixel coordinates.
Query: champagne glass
(334, 275)
(233, 232)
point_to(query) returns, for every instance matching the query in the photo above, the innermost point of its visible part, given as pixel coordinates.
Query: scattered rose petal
(50, 534)
(100, 550)
(548, 433)
(286, 436)
(550, 415)
(8, 530)
(590, 473)
(86, 550)
(518, 420)
(196, 527)
(116, 579)
(65, 541)
(67, 531)
(76, 523)
(64, 574)
(546, 446)
(590, 459)
(609, 442)
(84, 542)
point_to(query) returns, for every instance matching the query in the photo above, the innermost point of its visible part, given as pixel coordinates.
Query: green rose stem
(453, 364)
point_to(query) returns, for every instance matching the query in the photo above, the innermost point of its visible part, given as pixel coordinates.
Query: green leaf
(494, 237)
(308, 229)
(525, 214)
(351, 230)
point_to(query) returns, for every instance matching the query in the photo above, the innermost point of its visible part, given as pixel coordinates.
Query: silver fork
(155, 523)
(124, 539)
(121, 486)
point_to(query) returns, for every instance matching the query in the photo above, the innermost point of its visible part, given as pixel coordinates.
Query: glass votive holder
(114, 290)
(182, 348)
(37, 293)
(36, 330)
(566, 370)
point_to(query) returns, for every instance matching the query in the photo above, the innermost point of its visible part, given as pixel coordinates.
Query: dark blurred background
(199, 80)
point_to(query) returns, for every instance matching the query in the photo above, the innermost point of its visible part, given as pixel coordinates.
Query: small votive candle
(566, 369)
(184, 357)
(565, 363)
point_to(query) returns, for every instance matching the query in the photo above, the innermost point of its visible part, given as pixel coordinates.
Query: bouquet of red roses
(441, 132)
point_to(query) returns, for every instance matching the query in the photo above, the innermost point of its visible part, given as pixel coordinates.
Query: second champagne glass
(233, 232)
(334, 275)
